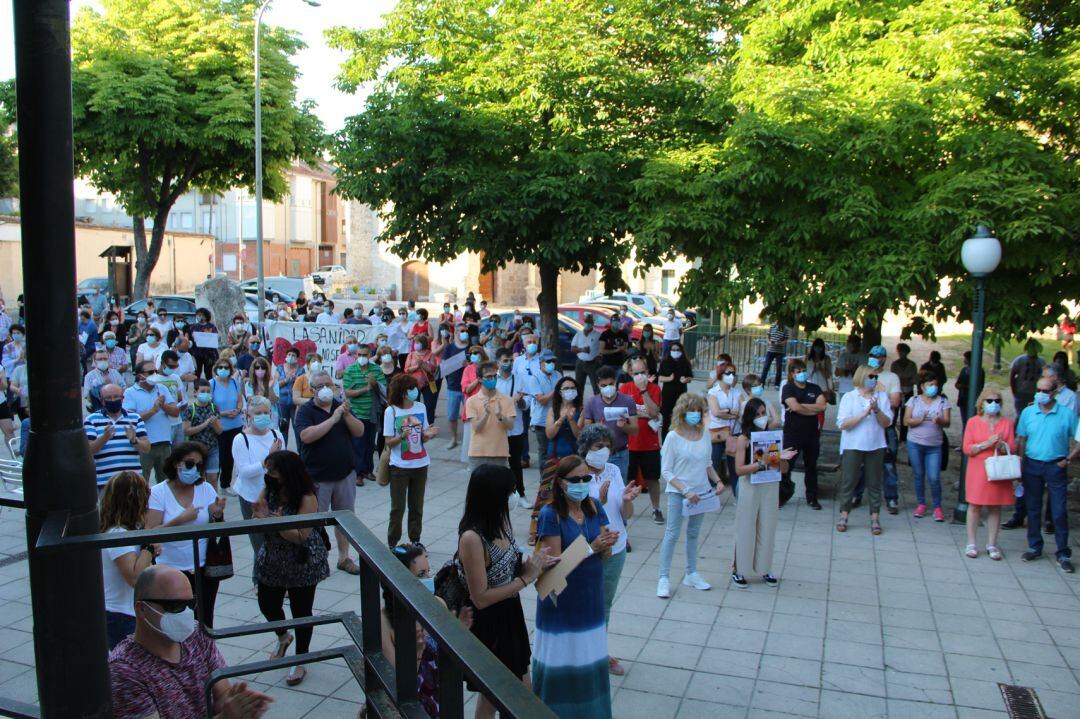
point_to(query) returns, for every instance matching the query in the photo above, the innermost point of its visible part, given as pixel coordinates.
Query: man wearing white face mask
(326, 428)
(163, 668)
(618, 412)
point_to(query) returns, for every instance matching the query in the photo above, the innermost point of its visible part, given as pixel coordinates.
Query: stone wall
(224, 298)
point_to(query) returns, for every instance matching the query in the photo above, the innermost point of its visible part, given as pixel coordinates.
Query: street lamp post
(258, 157)
(980, 255)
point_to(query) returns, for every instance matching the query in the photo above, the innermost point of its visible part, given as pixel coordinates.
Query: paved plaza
(900, 625)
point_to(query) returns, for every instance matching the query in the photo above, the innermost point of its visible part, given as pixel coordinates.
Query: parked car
(95, 290)
(329, 274)
(568, 328)
(652, 306)
(291, 286)
(638, 313)
(184, 306)
(601, 317)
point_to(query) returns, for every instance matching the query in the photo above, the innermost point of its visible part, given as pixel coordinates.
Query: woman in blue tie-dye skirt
(570, 658)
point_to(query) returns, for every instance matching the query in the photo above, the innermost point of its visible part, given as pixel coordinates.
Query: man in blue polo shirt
(541, 388)
(1044, 430)
(154, 404)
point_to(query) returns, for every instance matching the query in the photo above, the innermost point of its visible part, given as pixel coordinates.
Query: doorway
(414, 281)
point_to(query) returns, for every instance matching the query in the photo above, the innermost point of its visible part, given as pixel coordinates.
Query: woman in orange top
(470, 385)
(985, 433)
(422, 364)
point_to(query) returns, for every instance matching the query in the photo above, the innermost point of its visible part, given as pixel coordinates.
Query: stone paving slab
(900, 625)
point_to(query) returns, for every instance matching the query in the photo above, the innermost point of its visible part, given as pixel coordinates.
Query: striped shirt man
(777, 338)
(118, 453)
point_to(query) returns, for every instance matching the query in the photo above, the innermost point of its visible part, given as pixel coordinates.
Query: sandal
(283, 643)
(995, 553)
(875, 527)
(841, 526)
(971, 551)
(349, 566)
(295, 676)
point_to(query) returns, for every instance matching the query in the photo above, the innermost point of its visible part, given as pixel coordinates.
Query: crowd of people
(177, 429)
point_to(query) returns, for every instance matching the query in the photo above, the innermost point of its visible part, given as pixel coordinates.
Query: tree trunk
(146, 257)
(548, 303)
(871, 328)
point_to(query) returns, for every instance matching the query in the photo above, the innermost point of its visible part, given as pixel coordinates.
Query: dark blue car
(568, 328)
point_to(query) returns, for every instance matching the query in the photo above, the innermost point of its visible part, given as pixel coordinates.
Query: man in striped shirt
(775, 351)
(117, 437)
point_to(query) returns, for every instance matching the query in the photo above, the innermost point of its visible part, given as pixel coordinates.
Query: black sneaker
(1066, 565)
(629, 548)
(1030, 556)
(813, 504)
(892, 505)
(657, 516)
(1013, 523)
(739, 580)
(770, 580)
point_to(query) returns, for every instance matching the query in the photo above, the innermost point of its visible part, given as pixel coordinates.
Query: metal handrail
(461, 655)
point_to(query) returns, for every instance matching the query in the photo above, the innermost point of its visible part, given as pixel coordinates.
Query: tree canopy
(163, 96)
(9, 161)
(517, 128)
(848, 148)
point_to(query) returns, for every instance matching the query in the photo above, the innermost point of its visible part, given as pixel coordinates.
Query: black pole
(65, 587)
(974, 386)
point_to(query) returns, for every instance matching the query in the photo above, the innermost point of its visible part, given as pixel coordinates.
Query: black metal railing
(747, 345)
(390, 689)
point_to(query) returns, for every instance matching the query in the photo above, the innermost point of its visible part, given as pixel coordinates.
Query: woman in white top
(686, 470)
(862, 417)
(759, 503)
(249, 448)
(151, 350)
(122, 508)
(187, 498)
(725, 399)
(607, 488)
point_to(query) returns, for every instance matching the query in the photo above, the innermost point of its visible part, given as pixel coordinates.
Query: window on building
(667, 282)
(187, 220)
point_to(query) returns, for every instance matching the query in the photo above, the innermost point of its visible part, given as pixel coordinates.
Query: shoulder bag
(1001, 467)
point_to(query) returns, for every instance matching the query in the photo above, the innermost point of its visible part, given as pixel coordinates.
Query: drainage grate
(1021, 702)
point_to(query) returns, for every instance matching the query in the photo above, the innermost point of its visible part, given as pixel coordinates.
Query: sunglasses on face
(871, 376)
(193, 464)
(173, 606)
(578, 479)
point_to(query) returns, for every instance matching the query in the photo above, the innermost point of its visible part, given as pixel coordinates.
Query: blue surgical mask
(223, 374)
(204, 397)
(870, 383)
(429, 583)
(474, 358)
(577, 491)
(254, 346)
(930, 390)
(167, 371)
(110, 343)
(549, 366)
(757, 390)
(262, 421)
(992, 408)
(873, 362)
(1042, 398)
(189, 476)
(693, 418)
(801, 377)
(532, 348)
(412, 394)
(353, 347)
(291, 359)
(489, 383)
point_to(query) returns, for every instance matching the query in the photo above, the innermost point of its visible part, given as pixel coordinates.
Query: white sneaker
(524, 503)
(663, 588)
(696, 581)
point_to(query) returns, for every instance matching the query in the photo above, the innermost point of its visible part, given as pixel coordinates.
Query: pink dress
(980, 490)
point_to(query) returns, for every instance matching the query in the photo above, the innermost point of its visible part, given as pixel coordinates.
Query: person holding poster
(759, 463)
(406, 429)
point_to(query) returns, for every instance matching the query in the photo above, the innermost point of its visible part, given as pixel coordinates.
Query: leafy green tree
(9, 161)
(163, 102)
(848, 148)
(516, 129)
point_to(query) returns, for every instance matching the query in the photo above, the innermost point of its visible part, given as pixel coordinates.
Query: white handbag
(1002, 467)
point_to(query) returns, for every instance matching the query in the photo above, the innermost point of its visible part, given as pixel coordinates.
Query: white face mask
(608, 391)
(676, 354)
(597, 457)
(102, 365)
(569, 395)
(363, 360)
(314, 366)
(761, 422)
(177, 627)
(325, 395)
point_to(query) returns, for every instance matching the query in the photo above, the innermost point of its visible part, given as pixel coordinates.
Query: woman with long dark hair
(122, 508)
(675, 373)
(292, 561)
(571, 663)
(495, 573)
(562, 427)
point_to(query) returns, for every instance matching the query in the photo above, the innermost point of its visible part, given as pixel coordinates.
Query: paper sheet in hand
(766, 446)
(451, 365)
(553, 581)
(206, 340)
(611, 414)
(708, 502)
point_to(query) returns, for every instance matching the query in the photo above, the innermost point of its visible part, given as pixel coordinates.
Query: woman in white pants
(755, 514)
(685, 469)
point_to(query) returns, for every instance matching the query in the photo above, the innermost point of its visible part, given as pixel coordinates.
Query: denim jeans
(612, 571)
(671, 536)
(621, 459)
(926, 463)
(1036, 476)
(363, 446)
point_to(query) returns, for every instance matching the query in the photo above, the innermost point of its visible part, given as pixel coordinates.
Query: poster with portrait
(765, 447)
(410, 427)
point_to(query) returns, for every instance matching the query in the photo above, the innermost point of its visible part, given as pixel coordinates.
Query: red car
(601, 317)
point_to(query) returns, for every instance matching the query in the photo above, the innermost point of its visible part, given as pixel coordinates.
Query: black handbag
(219, 561)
